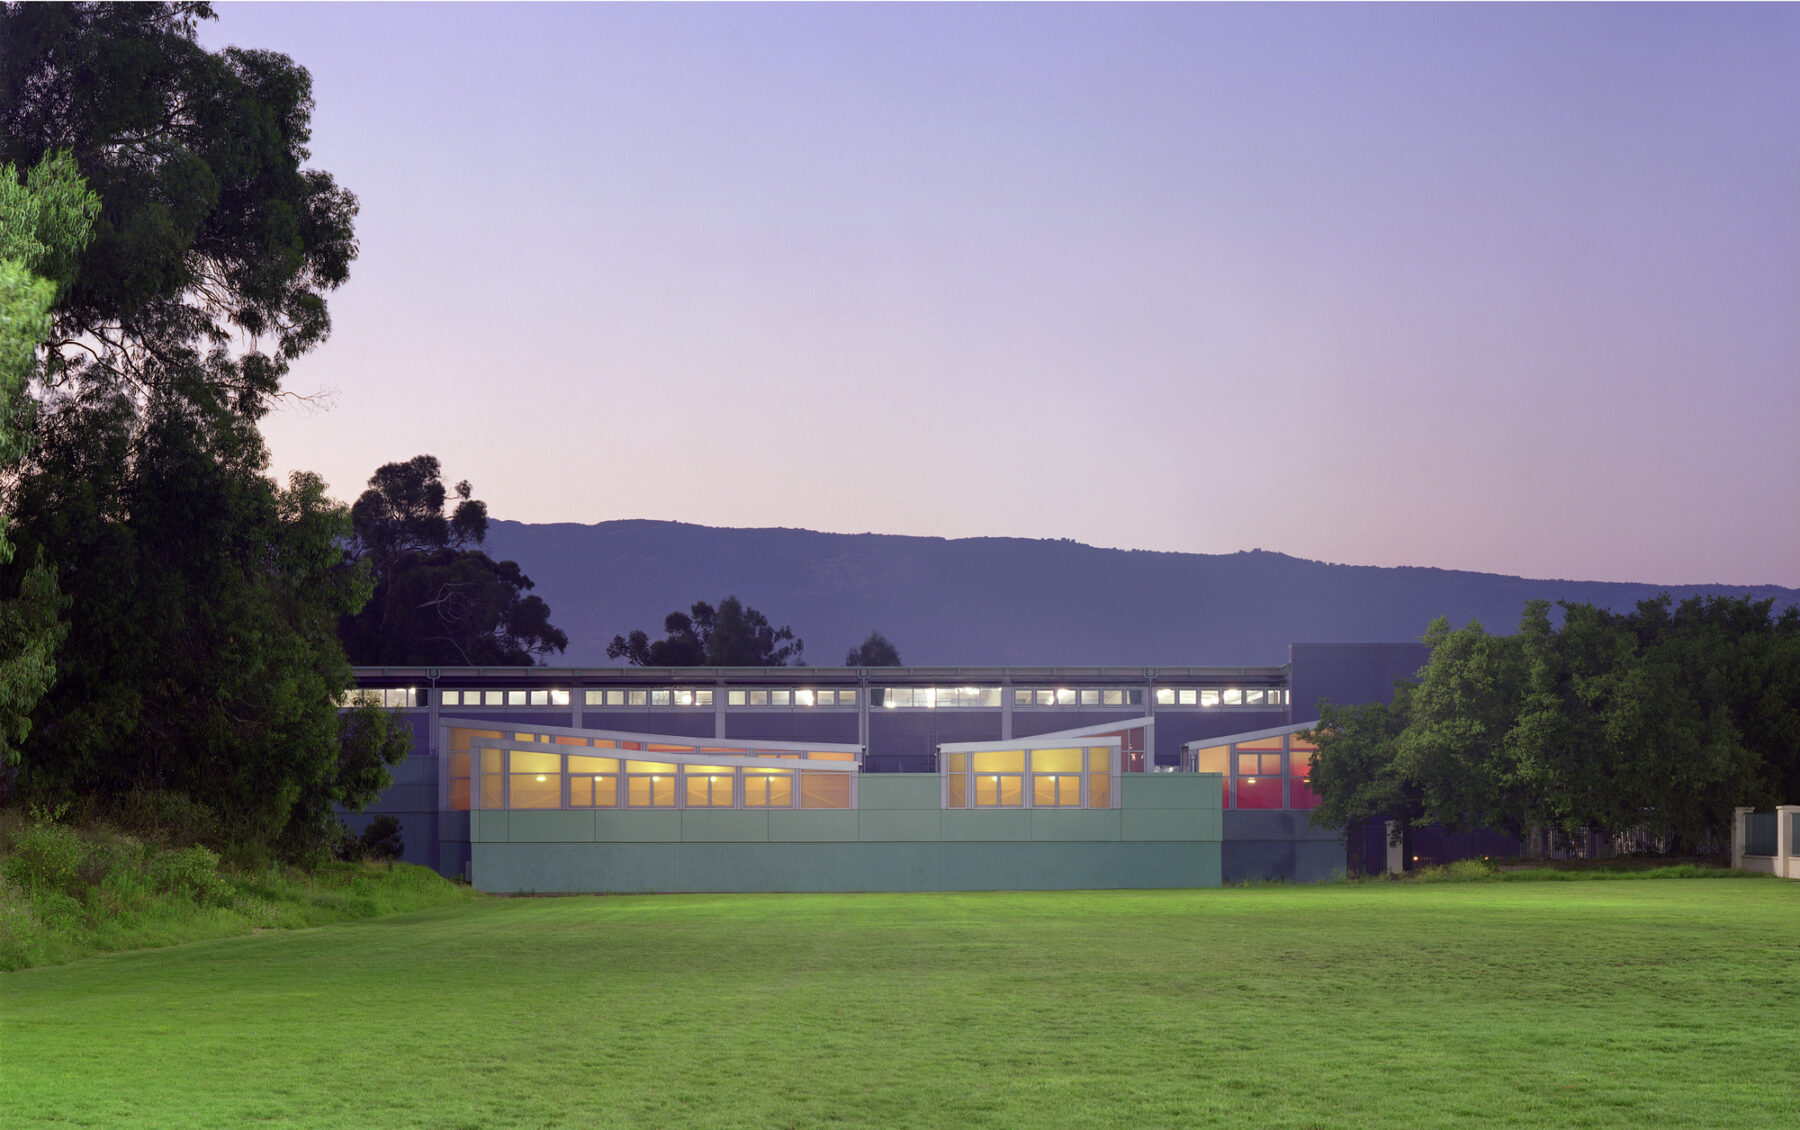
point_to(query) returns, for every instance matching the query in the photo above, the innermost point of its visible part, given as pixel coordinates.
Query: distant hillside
(1010, 601)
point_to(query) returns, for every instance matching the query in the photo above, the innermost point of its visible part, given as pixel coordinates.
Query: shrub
(47, 857)
(381, 839)
(169, 817)
(192, 871)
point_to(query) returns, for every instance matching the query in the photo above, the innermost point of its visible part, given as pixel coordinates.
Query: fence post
(1396, 851)
(1737, 837)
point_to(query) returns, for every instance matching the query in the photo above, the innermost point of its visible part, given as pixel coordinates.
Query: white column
(1786, 865)
(1737, 837)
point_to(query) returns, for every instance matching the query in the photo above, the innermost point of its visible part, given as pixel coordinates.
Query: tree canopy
(201, 654)
(733, 635)
(437, 600)
(1663, 719)
(45, 222)
(875, 651)
(210, 231)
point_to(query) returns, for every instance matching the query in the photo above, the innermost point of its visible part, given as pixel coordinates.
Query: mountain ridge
(1015, 601)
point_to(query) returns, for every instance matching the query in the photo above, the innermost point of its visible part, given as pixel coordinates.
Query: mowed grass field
(1640, 1004)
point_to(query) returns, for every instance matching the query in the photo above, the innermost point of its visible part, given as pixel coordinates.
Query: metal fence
(1759, 833)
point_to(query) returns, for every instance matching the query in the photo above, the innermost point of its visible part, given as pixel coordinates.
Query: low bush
(67, 892)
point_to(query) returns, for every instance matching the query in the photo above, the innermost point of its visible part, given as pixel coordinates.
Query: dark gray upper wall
(1008, 601)
(1347, 673)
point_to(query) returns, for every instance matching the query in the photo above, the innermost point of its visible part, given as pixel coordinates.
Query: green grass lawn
(1641, 1004)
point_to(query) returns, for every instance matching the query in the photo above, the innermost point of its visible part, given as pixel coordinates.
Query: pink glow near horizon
(1501, 288)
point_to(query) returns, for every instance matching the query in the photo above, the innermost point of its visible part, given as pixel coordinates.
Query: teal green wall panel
(986, 824)
(890, 847)
(1171, 790)
(1160, 824)
(487, 824)
(817, 827)
(724, 826)
(533, 826)
(897, 825)
(629, 827)
(1075, 824)
(899, 790)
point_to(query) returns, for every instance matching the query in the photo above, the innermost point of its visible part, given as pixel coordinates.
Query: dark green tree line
(1664, 718)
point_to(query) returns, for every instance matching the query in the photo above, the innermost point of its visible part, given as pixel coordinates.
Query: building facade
(888, 739)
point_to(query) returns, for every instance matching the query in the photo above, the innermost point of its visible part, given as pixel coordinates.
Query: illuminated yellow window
(536, 790)
(1099, 790)
(459, 794)
(1000, 761)
(650, 791)
(1214, 759)
(492, 796)
(459, 737)
(530, 761)
(709, 786)
(661, 767)
(824, 790)
(579, 764)
(1055, 790)
(999, 790)
(1055, 761)
(956, 791)
(768, 788)
(1100, 759)
(593, 792)
(1260, 743)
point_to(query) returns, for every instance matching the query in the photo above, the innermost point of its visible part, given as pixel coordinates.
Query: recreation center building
(565, 779)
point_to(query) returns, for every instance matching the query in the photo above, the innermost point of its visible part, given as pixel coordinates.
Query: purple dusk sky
(1508, 288)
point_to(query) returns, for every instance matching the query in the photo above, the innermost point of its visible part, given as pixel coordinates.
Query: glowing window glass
(1054, 761)
(824, 790)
